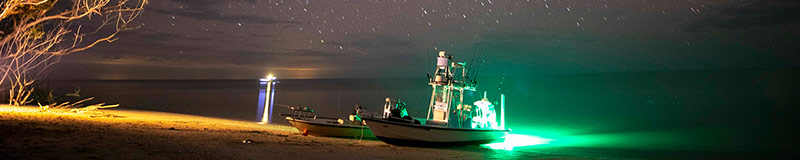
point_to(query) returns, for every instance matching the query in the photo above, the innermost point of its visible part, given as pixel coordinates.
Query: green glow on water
(518, 140)
(548, 137)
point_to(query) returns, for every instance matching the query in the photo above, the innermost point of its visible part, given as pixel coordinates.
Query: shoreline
(27, 133)
(133, 134)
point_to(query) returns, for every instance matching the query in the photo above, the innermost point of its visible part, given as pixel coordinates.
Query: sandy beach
(28, 133)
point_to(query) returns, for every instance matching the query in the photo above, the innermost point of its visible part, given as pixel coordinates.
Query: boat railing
(304, 113)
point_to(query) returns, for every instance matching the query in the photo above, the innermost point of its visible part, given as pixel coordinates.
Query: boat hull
(407, 134)
(331, 130)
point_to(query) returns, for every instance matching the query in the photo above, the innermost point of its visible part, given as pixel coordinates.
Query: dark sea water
(739, 114)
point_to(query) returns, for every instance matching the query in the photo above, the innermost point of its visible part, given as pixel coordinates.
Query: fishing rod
(502, 79)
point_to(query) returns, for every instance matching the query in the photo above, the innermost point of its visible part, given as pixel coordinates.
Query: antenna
(502, 78)
(475, 79)
(427, 59)
(471, 67)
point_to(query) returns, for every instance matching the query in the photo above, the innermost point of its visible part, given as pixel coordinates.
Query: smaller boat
(307, 124)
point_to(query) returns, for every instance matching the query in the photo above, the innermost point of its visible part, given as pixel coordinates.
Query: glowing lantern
(485, 115)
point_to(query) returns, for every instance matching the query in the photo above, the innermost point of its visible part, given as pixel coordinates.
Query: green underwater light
(518, 140)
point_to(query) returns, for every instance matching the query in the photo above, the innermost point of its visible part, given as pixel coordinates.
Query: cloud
(512, 43)
(318, 53)
(384, 41)
(209, 10)
(151, 35)
(750, 14)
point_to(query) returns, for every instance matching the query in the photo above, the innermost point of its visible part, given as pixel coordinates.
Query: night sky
(247, 39)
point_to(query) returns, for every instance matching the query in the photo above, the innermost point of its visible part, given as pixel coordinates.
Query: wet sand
(28, 133)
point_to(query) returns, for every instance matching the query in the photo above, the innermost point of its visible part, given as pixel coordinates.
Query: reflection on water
(613, 115)
(517, 140)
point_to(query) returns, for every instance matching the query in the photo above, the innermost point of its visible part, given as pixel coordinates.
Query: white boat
(408, 134)
(327, 127)
(449, 121)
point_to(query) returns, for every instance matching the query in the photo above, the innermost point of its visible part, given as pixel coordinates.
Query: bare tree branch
(34, 39)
